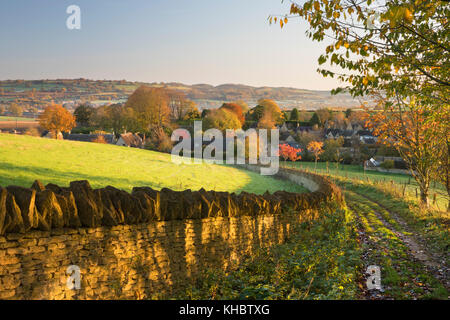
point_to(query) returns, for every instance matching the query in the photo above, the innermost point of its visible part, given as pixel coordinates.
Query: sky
(187, 41)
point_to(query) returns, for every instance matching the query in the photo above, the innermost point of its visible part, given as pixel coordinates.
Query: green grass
(402, 277)
(431, 225)
(24, 159)
(321, 260)
(7, 118)
(357, 173)
(353, 171)
(327, 258)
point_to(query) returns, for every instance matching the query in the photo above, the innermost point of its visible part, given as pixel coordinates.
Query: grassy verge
(402, 276)
(327, 259)
(393, 181)
(320, 261)
(431, 225)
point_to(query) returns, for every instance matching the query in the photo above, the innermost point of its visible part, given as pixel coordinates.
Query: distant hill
(40, 92)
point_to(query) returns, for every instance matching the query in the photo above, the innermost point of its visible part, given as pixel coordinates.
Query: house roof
(290, 139)
(347, 133)
(303, 129)
(365, 133)
(284, 135)
(131, 139)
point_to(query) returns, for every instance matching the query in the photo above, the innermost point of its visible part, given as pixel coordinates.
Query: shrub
(400, 164)
(82, 130)
(159, 141)
(388, 164)
(99, 139)
(347, 158)
(32, 132)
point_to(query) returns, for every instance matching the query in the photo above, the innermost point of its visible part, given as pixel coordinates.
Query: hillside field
(24, 159)
(7, 118)
(356, 173)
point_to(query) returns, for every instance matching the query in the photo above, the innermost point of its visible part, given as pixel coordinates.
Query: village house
(50, 135)
(130, 140)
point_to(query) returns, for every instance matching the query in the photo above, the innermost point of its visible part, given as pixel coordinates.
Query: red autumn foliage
(288, 152)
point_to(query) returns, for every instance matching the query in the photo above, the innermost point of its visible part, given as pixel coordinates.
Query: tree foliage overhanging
(398, 46)
(399, 52)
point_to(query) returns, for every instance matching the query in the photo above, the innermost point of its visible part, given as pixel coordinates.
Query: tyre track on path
(433, 264)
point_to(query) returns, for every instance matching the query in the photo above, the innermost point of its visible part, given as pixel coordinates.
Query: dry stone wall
(136, 245)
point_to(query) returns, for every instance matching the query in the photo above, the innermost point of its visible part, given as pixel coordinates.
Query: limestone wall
(131, 261)
(138, 245)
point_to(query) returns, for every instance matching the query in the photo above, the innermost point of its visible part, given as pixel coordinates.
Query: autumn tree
(397, 47)
(359, 117)
(331, 149)
(442, 172)
(397, 51)
(316, 148)
(15, 109)
(236, 109)
(115, 117)
(411, 133)
(255, 114)
(271, 109)
(56, 119)
(294, 115)
(205, 112)
(324, 115)
(192, 114)
(159, 141)
(304, 116)
(221, 119)
(151, 108)
(178, 103)
(244, 106)
(83, 115)
(305, 137)
(338, 119)
(266, 121)
(100, 139)
(288, 152)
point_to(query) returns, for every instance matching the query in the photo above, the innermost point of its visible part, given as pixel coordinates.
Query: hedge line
(45, 207)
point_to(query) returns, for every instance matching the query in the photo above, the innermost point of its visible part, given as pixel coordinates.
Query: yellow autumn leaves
(282, 21)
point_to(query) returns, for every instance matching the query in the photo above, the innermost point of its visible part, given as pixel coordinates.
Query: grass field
(328, 258)
(7, 118)
(357, 173)
(24, 159)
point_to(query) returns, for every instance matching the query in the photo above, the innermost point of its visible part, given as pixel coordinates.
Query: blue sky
(189, 41)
